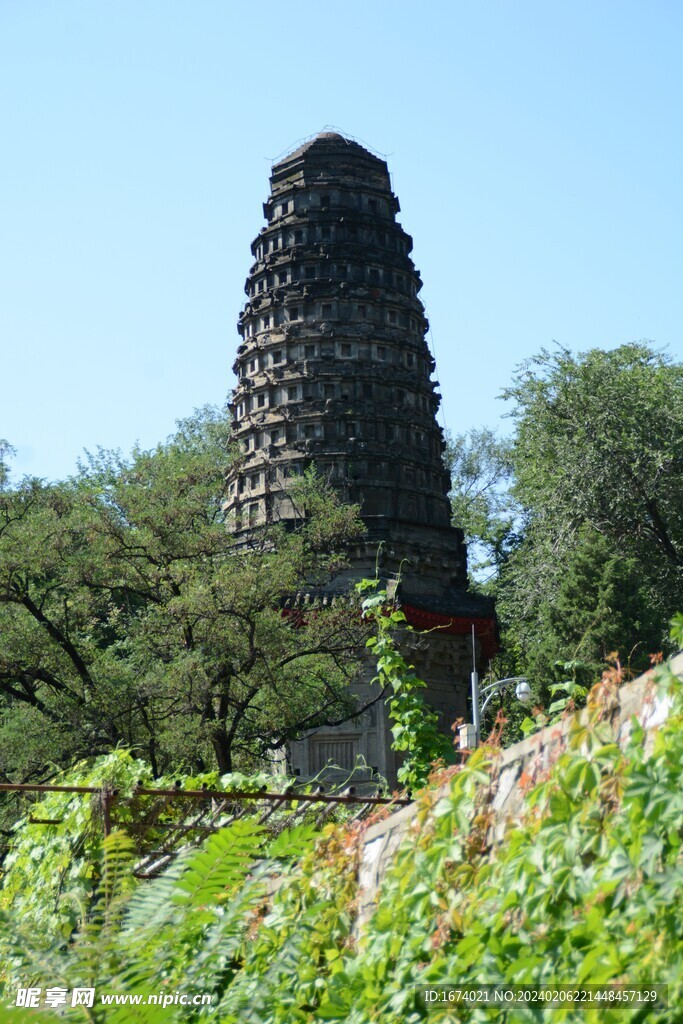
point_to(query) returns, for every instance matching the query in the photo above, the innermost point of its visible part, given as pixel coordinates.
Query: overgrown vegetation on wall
(587, 886)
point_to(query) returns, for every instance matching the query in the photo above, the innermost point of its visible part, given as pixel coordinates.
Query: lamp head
(523, 691)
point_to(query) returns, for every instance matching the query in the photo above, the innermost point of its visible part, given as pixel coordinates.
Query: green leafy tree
(129, 615)
(593, 603)
(580, 512)
(6, 450)
(598, 464)
(481, 468)
(599, 441)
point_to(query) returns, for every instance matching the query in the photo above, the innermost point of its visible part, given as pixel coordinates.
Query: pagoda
(333, 371)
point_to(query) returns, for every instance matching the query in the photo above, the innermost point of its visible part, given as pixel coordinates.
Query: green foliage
(128, 614)
(414, 725)
(575, 696)
(598, 463)
(481, 468)
(6, 450)
(185, 931)
(51, 876)
(600, 441)
(581, 511)
(677, 630)
(54, 878)
(587, 885)
(217, 869)
(591, 601)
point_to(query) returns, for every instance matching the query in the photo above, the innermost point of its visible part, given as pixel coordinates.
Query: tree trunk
(221, 746)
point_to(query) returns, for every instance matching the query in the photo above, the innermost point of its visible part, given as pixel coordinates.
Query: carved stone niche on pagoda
(333, 370)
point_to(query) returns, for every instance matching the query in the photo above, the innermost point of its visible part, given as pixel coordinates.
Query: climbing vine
(53, 872)
(414, 724)
(586, 886)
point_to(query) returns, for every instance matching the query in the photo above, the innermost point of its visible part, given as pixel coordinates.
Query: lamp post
(471, 734)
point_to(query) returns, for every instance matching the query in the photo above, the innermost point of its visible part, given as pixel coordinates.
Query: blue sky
(536, 149)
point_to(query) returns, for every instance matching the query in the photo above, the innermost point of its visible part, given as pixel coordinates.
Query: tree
(5, 450)
(600, 441)
(598, 470)
(481, 468)
(580, 512)
(594, 602)
(129, 615)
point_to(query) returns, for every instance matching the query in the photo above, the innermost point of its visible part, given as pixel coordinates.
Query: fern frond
(222, 865)
(151, 908)
(118, 855)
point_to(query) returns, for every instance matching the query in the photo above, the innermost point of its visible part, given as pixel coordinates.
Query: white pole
(475, 693)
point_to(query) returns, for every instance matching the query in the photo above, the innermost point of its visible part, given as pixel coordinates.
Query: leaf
(293, 842)
(333, 1010)
(222, 865)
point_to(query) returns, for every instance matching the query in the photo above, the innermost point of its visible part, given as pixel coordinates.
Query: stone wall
(517, 768)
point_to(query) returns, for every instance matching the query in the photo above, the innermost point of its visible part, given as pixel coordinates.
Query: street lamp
(522, 692)
(471, 734)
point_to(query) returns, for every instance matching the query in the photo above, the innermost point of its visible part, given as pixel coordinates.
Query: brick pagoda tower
(334, 371)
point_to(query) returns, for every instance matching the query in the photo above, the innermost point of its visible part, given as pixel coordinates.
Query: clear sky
(535, 146)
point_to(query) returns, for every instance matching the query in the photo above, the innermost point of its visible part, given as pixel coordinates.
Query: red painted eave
(485, 629)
